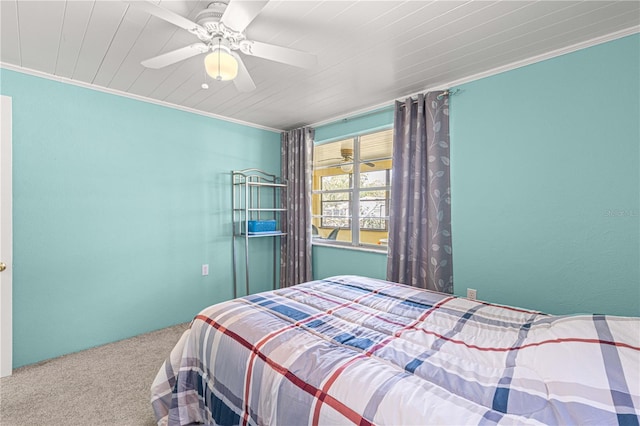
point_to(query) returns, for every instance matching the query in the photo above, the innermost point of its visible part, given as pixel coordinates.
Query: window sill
(347, 246)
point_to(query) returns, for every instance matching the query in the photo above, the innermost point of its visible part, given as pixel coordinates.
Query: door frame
(6, 237)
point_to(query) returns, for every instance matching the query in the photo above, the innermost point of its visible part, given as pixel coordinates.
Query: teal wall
(331, 261)
(545, 185)
(117, 204)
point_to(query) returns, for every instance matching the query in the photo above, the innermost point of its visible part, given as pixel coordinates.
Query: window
(351, 190)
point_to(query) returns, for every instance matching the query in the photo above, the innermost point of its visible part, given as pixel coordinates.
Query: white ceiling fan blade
(174, 56)
(239, 13)
(243, 81)
(166, 15)
(281, 54)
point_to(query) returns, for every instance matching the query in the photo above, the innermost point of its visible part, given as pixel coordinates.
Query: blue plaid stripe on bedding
(354, 350)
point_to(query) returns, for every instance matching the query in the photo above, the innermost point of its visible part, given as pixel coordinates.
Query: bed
(355, 350)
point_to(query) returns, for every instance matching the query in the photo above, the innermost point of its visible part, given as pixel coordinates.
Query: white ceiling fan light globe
(220, 65)
(346, 167)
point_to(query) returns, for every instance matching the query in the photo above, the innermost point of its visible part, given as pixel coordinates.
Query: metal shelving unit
(255, 196)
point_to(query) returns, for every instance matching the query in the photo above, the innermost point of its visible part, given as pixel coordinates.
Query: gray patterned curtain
(420, 215)
(295, 249)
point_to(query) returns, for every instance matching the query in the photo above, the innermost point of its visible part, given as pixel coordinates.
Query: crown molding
(90, 86)
(494, 71)
(548, 55)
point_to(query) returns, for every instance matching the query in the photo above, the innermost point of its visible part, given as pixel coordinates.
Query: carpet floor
(105, 385)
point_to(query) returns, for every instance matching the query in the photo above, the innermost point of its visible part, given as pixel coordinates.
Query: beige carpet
(106, 385)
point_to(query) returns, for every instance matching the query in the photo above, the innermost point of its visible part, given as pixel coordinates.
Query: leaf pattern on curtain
(295, 247)
(419, 251)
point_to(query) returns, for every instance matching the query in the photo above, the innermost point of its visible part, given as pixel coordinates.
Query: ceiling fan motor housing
(346, 153)
(209, 18)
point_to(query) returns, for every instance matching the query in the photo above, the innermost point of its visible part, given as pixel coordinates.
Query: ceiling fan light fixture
(220, 64)
(347, 159)
(346, 167)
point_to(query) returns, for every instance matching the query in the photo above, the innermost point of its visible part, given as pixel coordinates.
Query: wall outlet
(205, 270)
(472, 293)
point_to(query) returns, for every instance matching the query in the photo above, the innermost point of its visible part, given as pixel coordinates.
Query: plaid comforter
(353, 350)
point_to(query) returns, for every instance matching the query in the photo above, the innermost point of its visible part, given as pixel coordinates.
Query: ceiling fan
(220, 28)
(347, 160)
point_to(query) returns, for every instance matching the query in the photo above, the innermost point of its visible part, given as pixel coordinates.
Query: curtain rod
(447, 92)
(378, 108)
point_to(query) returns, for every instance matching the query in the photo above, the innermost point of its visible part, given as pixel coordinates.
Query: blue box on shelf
(261, 226)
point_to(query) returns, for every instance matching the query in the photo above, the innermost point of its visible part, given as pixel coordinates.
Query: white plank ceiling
(369, 52)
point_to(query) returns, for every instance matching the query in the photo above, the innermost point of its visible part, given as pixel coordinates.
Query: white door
(6, 239)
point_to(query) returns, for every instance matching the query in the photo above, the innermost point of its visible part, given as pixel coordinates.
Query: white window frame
(355, 192)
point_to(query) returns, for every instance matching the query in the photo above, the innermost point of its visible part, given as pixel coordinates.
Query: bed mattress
(354, 350)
